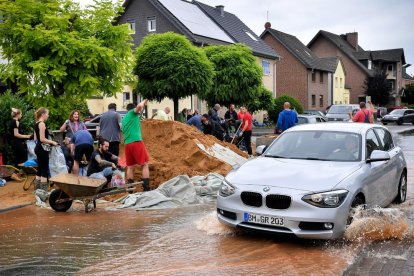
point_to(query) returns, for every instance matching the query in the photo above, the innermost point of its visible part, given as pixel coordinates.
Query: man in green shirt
(135, 151)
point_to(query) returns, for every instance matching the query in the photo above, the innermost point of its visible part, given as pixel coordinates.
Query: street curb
(14, 207)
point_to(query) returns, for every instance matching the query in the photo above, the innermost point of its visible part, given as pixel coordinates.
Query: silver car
(308, 180)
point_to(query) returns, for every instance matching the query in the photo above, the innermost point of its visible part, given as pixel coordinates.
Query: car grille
(278, 201)
(251, 199)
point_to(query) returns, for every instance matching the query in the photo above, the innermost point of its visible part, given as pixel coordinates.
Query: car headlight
(326, 200)
(226, 189)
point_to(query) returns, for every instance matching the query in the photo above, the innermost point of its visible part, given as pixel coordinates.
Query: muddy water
(185, 241)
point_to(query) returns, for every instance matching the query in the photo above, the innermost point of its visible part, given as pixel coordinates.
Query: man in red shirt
(363, 115)
(246, 129)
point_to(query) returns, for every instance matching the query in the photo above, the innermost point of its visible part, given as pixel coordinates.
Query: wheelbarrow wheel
(61, 206)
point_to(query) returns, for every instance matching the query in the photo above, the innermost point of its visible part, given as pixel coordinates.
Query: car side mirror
(378, 155)
(260, 149)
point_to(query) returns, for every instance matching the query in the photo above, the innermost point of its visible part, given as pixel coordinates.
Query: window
(369, 64)
(126, 96)
(389, 67)
(372, 143)
(131, 26)
(340, 82)
(266, 67)
(313, 100)
(336, 82)
(320, 100)
(321, 77)
(152, 24)
(313, 76)
(385, 138)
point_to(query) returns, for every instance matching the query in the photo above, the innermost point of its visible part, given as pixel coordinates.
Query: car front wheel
(402, 189)
(355, 203)
(384, 123)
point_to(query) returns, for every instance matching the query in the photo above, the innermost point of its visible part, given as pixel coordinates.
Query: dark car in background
(93, 124)
(399, 116)
(340, 112)
(310, 119)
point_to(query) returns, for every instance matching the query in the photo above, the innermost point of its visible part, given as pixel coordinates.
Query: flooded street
(182, 241)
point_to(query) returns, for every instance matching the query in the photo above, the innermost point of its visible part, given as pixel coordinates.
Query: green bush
(277, 106)
(7, 101)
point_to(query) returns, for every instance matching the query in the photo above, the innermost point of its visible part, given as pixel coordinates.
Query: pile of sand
(173, 151)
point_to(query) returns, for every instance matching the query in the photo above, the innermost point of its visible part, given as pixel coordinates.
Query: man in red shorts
(135, 151)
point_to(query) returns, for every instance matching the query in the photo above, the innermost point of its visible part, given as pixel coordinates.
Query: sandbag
(57, 163)
(31, 144)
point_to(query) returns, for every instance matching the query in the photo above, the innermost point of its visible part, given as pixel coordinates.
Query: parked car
(340, 112)
(399, 116)
(310, 119)
(308, 181)
(314, 112)
(93, 124)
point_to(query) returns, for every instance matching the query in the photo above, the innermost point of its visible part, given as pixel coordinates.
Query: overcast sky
(381, 24)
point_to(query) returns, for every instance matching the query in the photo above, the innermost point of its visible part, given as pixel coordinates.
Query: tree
(60, 54)
(409, 94)
(377, 87)
(169, 66)
(264, 101)
(237, 75)
(277, 106)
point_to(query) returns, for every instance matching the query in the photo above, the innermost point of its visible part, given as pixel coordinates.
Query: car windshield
(340, 109)
(317, 145)
(397, 112)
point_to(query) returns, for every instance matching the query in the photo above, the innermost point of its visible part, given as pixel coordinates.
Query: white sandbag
(57, 163)
(31, 144)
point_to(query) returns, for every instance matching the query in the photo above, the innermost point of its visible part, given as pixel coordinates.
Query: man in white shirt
(161, 114)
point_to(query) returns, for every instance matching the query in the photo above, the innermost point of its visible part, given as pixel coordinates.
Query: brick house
(361, 64)
(300, 73)
(202, 25)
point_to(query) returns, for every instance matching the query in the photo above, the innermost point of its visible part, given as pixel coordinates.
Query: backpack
(367, 118)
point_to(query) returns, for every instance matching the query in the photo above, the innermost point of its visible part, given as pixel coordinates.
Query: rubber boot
(145, 184)
(37, 184)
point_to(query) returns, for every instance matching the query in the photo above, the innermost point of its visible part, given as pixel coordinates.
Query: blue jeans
(103, 174)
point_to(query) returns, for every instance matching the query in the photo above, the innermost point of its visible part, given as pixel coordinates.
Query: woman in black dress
(17, 140)
(42, 138)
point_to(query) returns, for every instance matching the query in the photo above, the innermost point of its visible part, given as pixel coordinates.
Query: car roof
(341, 127)
(309, 115)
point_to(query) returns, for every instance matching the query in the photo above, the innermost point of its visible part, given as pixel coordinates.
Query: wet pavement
(187, 241)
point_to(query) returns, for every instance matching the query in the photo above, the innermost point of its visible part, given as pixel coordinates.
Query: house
(202, 25)
(300, 72)
(341, 93)
(360, 64)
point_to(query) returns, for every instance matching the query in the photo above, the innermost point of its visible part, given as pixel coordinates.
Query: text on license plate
(263, 219)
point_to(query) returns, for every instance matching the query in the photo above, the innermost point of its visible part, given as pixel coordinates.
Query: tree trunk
(176, 111)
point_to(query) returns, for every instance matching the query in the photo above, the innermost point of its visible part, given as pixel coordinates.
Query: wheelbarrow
(86, 189)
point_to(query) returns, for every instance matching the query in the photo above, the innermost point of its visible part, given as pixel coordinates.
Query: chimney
(220, 8)
(352, 39)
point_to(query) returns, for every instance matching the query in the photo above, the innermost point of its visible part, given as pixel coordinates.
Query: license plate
(268, 220)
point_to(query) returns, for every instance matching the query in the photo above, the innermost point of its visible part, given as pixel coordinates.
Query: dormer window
(251, 35)
(152, 24)
(131, 26)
